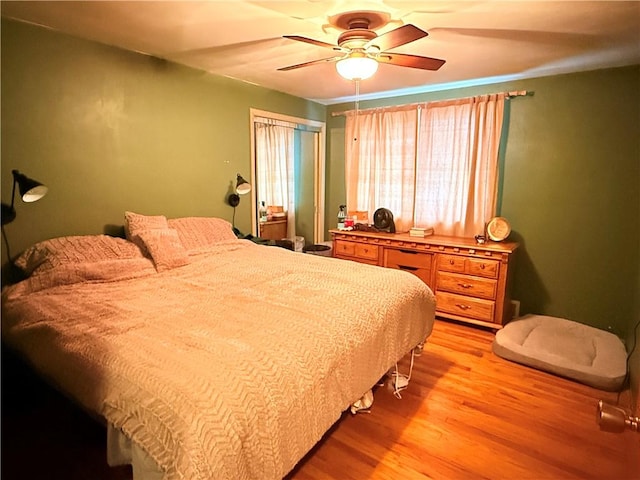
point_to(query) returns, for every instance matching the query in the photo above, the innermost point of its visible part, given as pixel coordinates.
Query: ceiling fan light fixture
(357, 67)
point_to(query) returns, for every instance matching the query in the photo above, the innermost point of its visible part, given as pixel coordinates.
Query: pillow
(49, 254)
(135, 223)
(165, 248)
(200, 232)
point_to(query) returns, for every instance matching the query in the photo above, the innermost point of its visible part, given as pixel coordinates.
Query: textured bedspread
(230, 367)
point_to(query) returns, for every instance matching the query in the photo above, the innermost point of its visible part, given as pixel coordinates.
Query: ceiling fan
(362, 49)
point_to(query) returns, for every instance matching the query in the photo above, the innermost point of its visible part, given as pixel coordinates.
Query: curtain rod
(509, 95)
(287, 124)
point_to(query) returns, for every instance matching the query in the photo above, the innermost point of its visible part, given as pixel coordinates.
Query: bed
(208, 356)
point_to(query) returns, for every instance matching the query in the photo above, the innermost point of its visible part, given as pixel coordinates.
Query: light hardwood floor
(469, 414)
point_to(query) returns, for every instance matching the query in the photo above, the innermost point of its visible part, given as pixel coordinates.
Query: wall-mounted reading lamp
(242, 187)
(30, 191)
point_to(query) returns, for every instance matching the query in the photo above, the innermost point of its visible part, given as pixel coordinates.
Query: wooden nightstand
(273, 229)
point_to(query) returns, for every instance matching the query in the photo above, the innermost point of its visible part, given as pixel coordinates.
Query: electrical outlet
(515, 309)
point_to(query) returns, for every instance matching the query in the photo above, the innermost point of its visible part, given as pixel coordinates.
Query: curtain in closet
(275, 175)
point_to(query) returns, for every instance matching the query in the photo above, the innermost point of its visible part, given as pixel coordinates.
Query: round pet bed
(566, 348)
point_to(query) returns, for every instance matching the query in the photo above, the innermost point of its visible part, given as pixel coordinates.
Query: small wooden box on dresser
(471, 281)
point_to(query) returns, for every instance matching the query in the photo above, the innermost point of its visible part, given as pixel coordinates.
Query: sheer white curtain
(380, 162)
(457, 167)
(275, 176)
(434, 164)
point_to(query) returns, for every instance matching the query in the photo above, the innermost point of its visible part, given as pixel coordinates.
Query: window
(433, 164)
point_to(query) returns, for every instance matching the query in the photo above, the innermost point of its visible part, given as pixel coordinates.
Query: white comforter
(230, 367)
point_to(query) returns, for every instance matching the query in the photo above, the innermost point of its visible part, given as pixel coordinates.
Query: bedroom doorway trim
(318, 166)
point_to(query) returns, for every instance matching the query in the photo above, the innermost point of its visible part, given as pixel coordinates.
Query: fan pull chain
(357, 81)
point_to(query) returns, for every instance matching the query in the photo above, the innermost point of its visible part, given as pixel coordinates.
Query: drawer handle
(366, 250)
(465, 285)
(482, 266)
(450, 262)
(408, 251)
(462, 306)
(406, 267)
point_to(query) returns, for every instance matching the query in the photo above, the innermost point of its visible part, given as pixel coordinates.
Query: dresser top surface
(395, 238)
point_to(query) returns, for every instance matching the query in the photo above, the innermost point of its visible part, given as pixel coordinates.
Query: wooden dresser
(471, 281)
(273, 229)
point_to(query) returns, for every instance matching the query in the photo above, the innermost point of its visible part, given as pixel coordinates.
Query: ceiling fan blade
(313, 62)
(397, 37)
(413, 61)
(312, 41)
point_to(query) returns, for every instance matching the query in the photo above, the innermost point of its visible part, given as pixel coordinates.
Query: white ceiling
(481, 41)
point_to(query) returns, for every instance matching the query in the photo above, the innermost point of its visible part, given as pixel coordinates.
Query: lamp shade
(357, 67)
(242, 186)
(30, 190)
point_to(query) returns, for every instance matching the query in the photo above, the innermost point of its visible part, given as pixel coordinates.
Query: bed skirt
(122, 451)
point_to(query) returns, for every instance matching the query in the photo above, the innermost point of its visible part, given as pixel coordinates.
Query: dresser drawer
(466, 285)
(368, 252)
(482, 268)
(407, 258)
(475, 308)
(343, 248)
(423, 274)
(417, 263)
(451, 263)
(472, 266)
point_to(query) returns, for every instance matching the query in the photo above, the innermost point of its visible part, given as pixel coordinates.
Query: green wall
(109, 130)
(570, 190)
